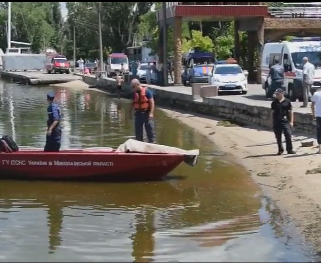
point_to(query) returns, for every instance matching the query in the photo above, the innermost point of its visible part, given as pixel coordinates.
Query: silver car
(142, 72)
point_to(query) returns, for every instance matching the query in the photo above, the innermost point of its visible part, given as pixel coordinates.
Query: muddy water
(215, 214)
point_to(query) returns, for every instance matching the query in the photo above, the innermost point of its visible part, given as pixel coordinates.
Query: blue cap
(51, 95)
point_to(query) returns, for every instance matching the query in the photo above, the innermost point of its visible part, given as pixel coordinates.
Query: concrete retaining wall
(220, 107)
(24, 62)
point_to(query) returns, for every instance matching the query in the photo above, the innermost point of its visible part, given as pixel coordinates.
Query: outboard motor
(8, 145)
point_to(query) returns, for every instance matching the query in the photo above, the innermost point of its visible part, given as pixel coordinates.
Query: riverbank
(284, 178)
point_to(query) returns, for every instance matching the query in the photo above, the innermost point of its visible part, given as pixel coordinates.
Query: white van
(291, 54)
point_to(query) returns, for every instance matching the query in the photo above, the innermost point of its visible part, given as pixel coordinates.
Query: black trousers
(283, 127)
(52, 144)
(318, 120)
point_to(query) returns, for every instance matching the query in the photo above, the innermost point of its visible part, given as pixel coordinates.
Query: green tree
(30, 23)
(119, 23)
(197, 40)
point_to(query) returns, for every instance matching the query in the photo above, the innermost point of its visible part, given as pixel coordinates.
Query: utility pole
(9, 25)
(165, 45)
(74, 47)
(101, 57)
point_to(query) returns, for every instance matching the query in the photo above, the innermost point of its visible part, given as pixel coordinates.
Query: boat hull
(86, 165)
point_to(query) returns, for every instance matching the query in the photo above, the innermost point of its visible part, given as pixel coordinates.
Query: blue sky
(63, 9)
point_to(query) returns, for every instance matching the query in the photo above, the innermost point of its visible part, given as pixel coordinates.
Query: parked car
(142, 71)
(229, 78)
(57, 64)
(91, 67)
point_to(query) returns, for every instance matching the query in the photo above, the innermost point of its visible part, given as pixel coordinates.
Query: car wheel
(49, 71)
(244, 92)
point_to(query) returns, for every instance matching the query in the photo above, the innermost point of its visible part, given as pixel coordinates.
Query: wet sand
(284, 178)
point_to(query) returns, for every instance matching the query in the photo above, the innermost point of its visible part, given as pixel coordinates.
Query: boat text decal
(53, 163)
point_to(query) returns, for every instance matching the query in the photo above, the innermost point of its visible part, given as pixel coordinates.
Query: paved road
(255, 97)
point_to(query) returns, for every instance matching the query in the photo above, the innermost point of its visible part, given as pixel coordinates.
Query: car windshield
(61, 60)
(144, 67)
(118, 61)
(228, 70)
(314, 58)
(203, 60)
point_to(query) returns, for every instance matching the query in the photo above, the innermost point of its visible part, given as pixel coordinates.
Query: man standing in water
(119, 82)
(283, 118)
(53, 138)
(143, 105)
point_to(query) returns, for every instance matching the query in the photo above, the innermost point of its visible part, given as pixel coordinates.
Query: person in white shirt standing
(81, 65)
(316, 112)
(308, 77)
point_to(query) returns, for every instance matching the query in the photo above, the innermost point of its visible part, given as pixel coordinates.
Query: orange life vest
(140, 101)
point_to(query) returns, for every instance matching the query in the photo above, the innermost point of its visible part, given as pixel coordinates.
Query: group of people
(282, 109)
(142, 108)
(81, 64)
(154, 73)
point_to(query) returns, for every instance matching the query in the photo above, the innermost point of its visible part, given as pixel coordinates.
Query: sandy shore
(283, 178)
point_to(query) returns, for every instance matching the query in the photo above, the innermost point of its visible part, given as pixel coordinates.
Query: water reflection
(213, 215)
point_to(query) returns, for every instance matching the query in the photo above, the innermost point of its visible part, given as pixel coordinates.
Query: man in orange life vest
(143, 105)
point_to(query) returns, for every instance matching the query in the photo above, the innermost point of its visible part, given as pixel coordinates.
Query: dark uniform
(281, 123)
(53, 140)
(277, 77)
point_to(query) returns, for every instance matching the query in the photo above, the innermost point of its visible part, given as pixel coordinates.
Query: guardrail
(297, 10)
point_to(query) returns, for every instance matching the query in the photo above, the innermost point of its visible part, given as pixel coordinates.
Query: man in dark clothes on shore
(283, 118)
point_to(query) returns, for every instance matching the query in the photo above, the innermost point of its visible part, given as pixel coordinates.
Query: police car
(229, 78)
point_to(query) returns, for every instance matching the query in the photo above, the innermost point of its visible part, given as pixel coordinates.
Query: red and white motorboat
(132, 160)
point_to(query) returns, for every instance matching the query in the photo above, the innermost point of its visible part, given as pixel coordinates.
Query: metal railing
(297, 10)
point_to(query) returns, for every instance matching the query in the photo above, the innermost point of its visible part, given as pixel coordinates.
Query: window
(13, 50)
(203, 60)
(60, 60)
(144, 67)
(313, 56)
(273, 57)
(228, 70)
(118, 61)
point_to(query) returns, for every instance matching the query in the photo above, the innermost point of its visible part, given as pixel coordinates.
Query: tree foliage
(148, 29)
(36, 22)
(120, 21)
(41, 24)
(197, 40)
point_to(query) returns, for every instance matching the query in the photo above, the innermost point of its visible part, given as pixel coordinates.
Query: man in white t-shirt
(308, 77)
(81, 65)
(316, 111)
